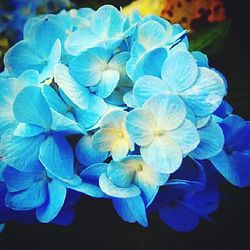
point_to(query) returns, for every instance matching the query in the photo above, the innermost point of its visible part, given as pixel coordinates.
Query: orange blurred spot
(186, 12)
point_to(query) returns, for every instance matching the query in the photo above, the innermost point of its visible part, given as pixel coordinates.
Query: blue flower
(107, 29)
(191, 194)
(40, 50)
(233, 162)
(131, 184)
(200, 88)
(162, 131)
(113, 136)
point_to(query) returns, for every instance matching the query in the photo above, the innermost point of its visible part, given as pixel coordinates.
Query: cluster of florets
(115, 107)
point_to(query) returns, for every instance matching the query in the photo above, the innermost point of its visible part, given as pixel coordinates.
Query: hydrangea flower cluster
(116, 107)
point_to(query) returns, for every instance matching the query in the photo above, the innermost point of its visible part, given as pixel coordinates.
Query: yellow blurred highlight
(146, 7)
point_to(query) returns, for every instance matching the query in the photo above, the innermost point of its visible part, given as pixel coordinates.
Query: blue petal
(140, 124)
(233, 127)
(92, 173)
(169, 111)
(21, 58)
(206, 95)
(163, 154)
(107, 21)
(179, 71)
(53, 99)
(151, 34)
(179, 217)
(53, 59)
(201, 59)
(17, 180)
(89, 189)
(28, 199)
(76, 93)
(31, 107)
(111, 189)
(57, 157)
(87, 154)
(211, 141)
(121, 175)
(186, 136)
(20, 153)
(66, 125)
(55, 200)
(28, 130)
(108, 83)
(87, 68)
(44, 36)
(147, 86)
(131, 210)
(87, 118)
(144, 65)
(77, 42)
(235, 167)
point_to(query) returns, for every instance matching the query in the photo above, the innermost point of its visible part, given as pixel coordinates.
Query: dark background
(96, 224)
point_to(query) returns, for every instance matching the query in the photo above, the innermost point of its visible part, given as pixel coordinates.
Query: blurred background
(224, 36)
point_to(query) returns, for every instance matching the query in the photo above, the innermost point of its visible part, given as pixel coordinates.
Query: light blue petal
(114, 119)
(144, 65)
(151, 34)
(28, 199)
(53, 99)
(235, 167)
(86, 154)
(16, 180)
(87, 118)
(27, 130)
(78, 94)
(29, 78)
(131, 210)
(55, 200)
(88, 67)
(44, 36)
(31, 107)
(179, 71)
(211, 141)
(130, 100)
(141, 124)
(57, 157)
(201, 59)
(20, 153)
(77, 42)
(147, 86)
(21, 58)
(66, 125)
(205, 96)
(108, 83)
(169, 111)
(120, 174)
(186, 137)
(53, 59)
(89, 189)
(107, 21)
(111, 189)
(163, 154)
(103, 139)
